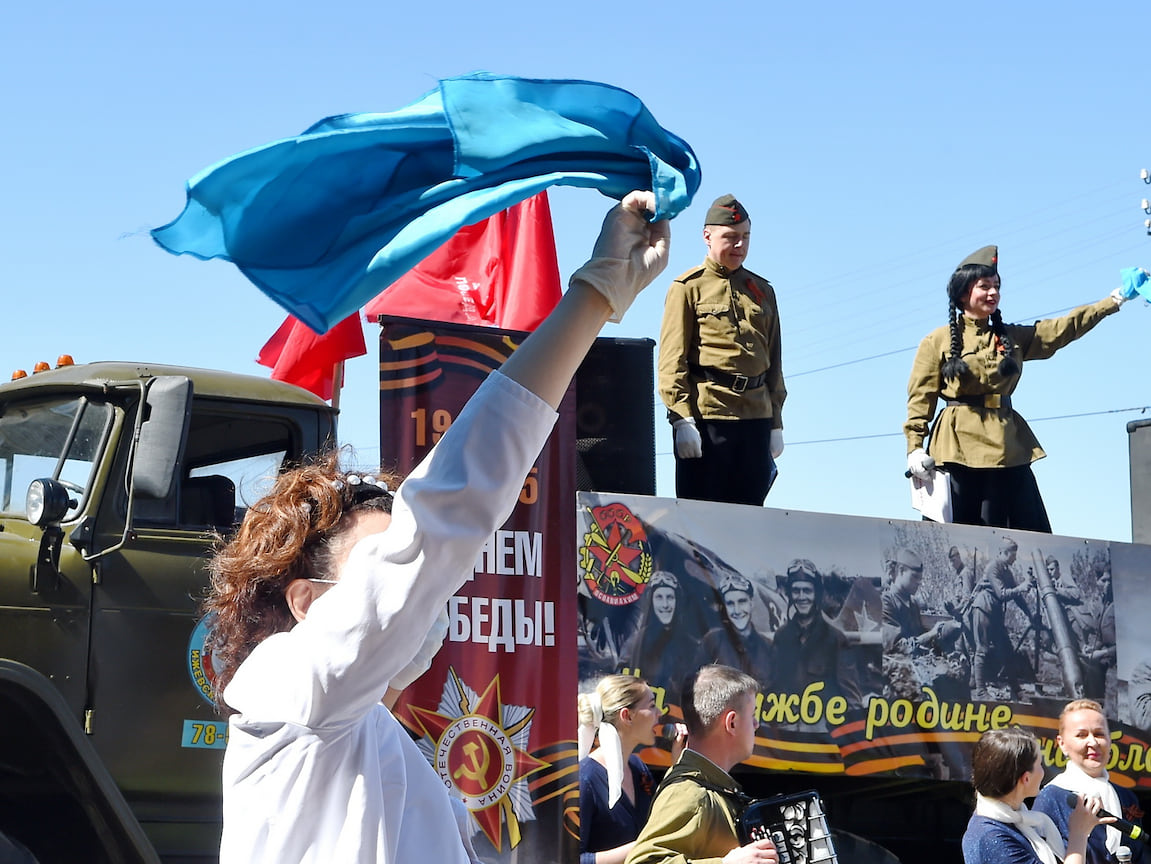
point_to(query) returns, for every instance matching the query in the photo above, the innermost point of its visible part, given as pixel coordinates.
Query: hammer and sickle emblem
(477, 771)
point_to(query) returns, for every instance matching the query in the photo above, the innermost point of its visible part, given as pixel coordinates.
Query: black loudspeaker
(615, 417)
(1139, 439)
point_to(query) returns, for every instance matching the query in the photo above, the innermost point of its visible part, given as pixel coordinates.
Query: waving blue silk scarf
(323, 222)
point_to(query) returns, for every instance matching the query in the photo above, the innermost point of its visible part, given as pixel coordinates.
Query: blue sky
(875, 146)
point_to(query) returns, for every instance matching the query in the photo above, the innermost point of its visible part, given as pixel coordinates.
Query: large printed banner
(882, 647)
(494, 724)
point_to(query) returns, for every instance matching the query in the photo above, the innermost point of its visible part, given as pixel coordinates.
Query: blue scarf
(325, 221)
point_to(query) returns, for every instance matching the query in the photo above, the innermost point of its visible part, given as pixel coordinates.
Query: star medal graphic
(615, 557)
(478, 746)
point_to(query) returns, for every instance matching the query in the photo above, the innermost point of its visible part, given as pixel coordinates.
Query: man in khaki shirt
(695, 812)
(720, 373)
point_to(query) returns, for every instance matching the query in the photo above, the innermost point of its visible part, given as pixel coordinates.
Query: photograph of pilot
(666, 639)
(808, 649)
(735, 641)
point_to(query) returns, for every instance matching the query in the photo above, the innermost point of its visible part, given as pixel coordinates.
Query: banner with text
(882, 647)
(496, 730)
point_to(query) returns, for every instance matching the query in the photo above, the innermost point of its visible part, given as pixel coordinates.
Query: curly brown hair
(293, 532)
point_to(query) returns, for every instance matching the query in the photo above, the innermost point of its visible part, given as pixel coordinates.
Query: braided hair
(957, 288)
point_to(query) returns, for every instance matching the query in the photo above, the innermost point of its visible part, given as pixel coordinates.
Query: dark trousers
(998, 497)
(736, 466)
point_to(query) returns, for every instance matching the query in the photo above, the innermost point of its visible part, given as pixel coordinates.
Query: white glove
(776, 443)
(424, 657)
(1119, 297)
(688, 443)
(920, 464)
(628, 254)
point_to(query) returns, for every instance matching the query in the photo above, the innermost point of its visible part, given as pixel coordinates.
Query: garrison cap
(906, 558)
(988, 256)
(725, 210)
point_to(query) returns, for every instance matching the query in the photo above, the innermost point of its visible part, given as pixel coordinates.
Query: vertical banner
(495, 714)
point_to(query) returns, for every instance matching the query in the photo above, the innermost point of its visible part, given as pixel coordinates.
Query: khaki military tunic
(689, 823)
(986, 436)
(726, 321)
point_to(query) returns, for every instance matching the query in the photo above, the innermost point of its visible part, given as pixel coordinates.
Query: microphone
(1127, 829)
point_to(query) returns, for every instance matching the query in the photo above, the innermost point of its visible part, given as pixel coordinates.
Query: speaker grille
(615, 417)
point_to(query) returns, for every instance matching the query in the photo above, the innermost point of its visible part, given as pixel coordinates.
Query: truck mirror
(162, 435)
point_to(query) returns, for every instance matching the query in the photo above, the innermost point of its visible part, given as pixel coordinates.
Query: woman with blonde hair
(620, 712)
(1006, 768)
(1085, 739)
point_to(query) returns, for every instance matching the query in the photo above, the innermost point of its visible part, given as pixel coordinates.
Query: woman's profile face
(1086, 741)
(663, 604)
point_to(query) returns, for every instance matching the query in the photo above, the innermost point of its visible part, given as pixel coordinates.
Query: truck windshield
(58, 438)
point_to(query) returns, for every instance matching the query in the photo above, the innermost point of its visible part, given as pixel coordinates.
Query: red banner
(496, 712)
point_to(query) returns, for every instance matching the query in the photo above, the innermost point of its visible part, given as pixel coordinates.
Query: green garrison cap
(725, 210)
(988, 256)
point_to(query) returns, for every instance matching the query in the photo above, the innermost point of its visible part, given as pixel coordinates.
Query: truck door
(44, 616)
(153, 722)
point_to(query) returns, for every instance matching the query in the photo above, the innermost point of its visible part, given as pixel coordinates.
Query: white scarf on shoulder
(1037, 827)
(609, 742)
(1075, 779)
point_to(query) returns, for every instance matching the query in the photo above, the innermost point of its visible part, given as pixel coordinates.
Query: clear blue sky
(875, 145)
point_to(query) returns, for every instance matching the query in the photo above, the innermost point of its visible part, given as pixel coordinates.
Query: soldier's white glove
(628, 254)
(776, 443)
(688, 443)
(1119, 296)
(920, 464)
(424, 657)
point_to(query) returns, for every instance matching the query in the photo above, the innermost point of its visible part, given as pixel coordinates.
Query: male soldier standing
(720, 374)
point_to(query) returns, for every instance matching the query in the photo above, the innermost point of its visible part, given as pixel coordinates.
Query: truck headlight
(46, 503)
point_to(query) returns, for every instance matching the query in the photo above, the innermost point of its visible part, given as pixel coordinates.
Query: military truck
(114, 479)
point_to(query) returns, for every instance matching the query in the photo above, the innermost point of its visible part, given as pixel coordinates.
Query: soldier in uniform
(720, 373)
(807, 649)
(696, 810)
(992, 649)
(736, 642)
(973, 364)
(903, 629)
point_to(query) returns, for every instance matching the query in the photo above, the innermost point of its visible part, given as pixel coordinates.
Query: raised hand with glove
(628, 254)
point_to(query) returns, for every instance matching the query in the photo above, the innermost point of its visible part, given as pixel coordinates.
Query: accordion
(795, 823)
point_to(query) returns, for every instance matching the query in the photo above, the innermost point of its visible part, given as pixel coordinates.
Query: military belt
(738, 383)
(987, 400)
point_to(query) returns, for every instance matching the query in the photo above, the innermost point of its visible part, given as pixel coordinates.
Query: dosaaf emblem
(615, 557)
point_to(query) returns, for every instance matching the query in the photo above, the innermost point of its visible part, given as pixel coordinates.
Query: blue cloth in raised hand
(1135, 282)
(325, 221)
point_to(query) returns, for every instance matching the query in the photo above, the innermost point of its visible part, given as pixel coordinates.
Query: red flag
(300, 356)
(501, 272)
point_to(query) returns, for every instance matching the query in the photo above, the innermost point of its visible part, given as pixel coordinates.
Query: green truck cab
(115, 479)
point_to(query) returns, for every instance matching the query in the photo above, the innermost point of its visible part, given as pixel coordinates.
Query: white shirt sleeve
(335, 665)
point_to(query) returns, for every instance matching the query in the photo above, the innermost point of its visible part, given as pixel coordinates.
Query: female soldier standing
(974, 365)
